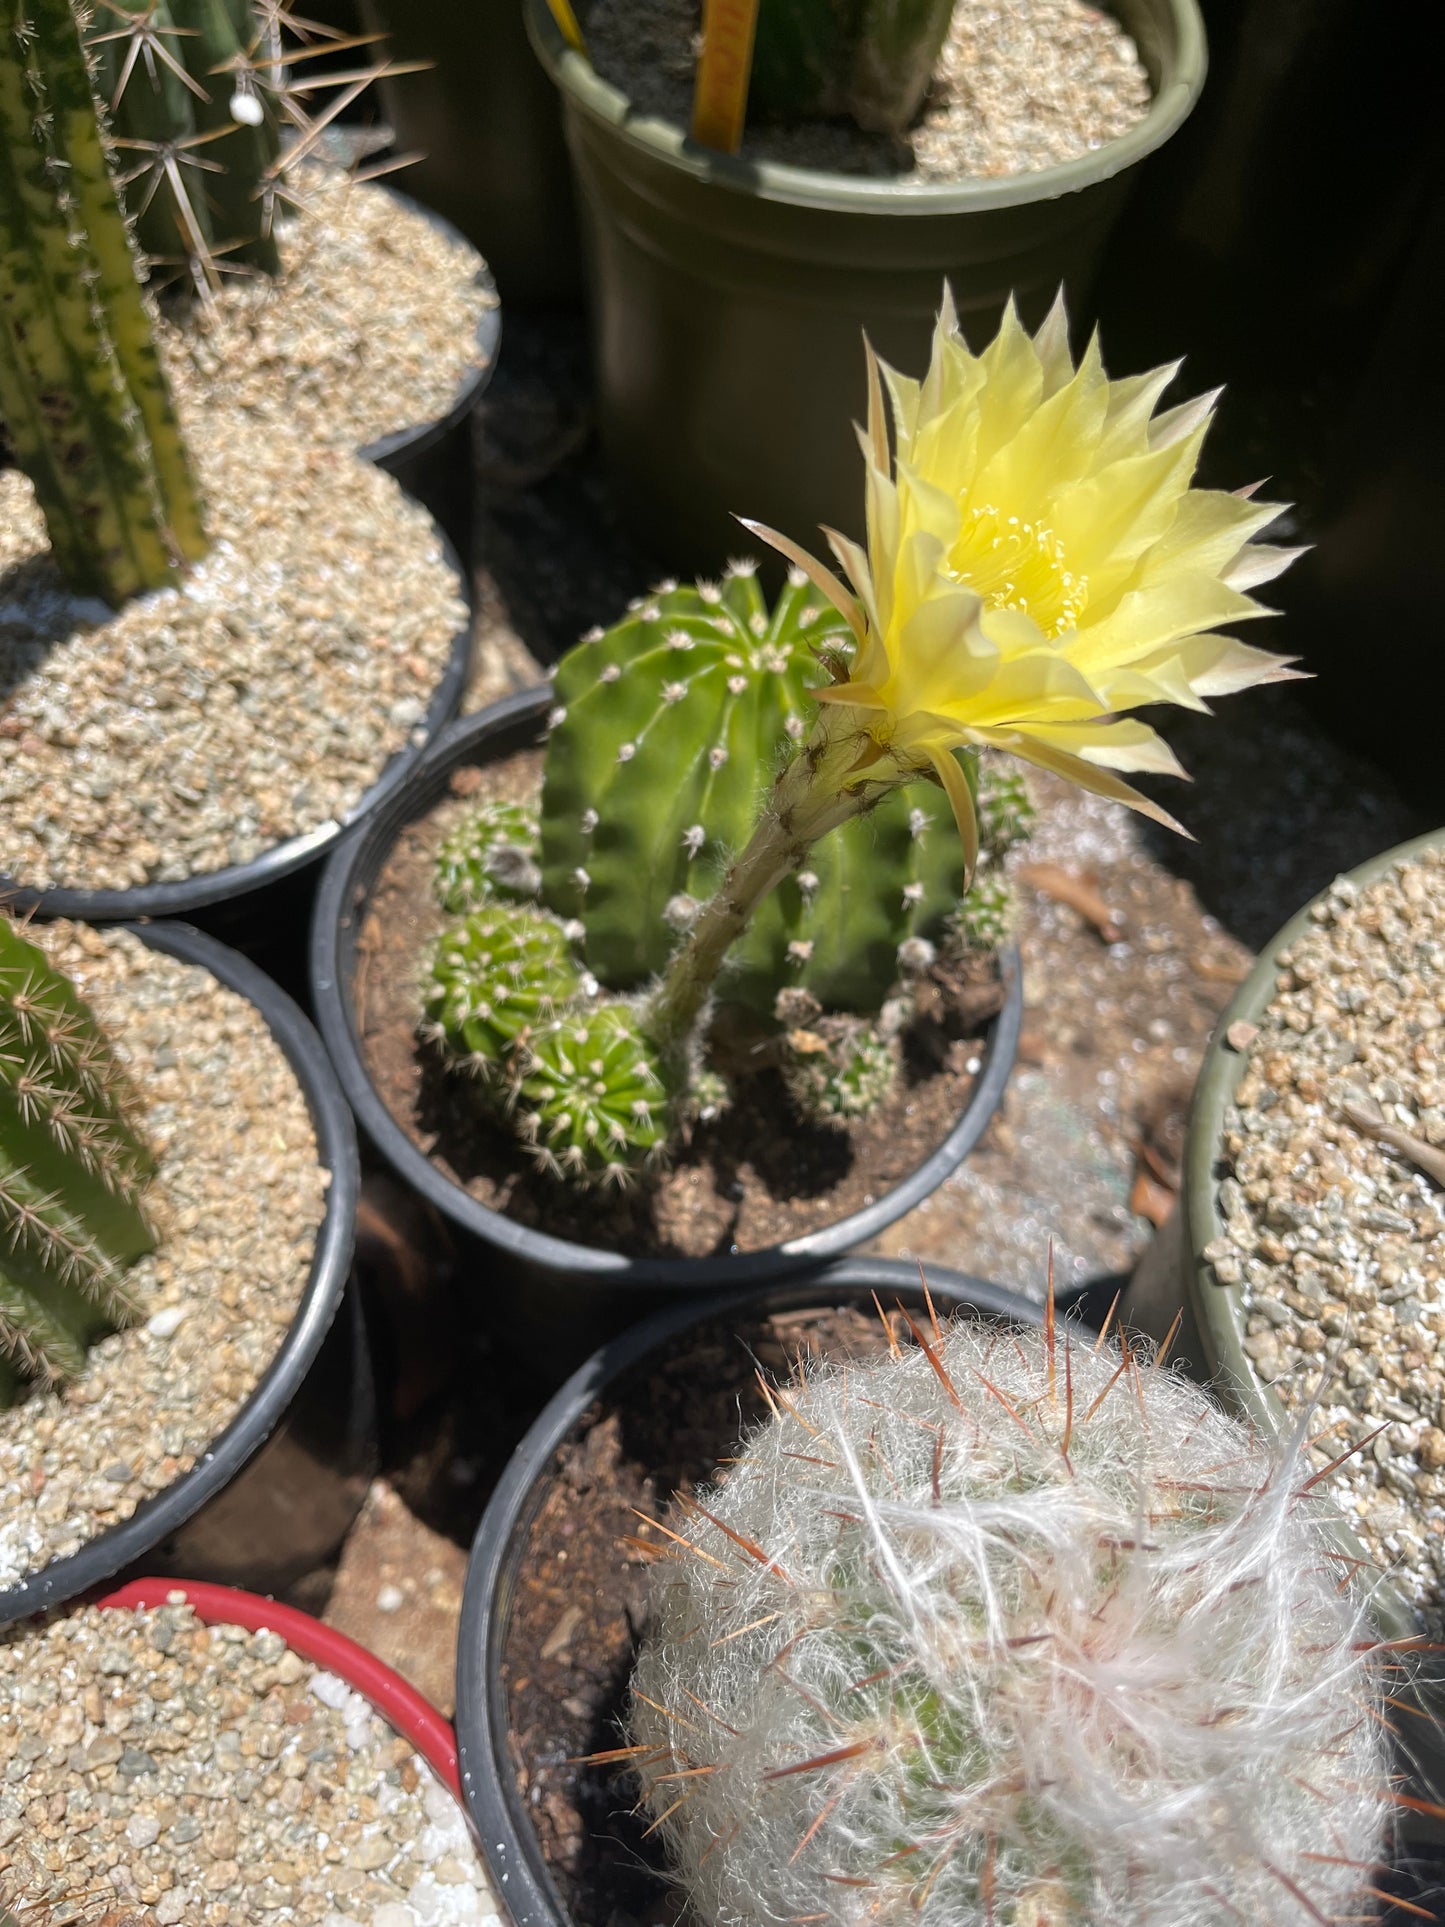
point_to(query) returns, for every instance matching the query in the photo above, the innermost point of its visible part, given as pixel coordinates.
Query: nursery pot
(488, 1765)
(398, 1702)
(1175, 1272)
(433, 460)
(486, 127)
(261, 907)
(274, 1493)
(574, 1294)
(729, 297)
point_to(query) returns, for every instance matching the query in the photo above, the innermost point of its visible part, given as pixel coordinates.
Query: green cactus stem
(199, 134)
(499, 974)
(667, 727)
(595, 1102)
(870, 59)
(72, 1172)
(491, 853)
(82, 394)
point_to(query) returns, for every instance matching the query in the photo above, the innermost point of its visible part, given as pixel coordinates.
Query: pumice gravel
(370, 327)
(258, 699)
(214, 1777)
(1336, 1240)
(238, 1199)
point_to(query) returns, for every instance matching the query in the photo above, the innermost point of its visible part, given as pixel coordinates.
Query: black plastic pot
(276, 1491)
(261, 908)
(487, 125)
(489, 1784)
(574, 1293)
(433, 460)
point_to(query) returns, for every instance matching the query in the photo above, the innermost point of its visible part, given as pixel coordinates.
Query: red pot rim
(400, 1704)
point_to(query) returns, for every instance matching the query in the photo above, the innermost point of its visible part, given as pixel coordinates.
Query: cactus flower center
(1017, 564)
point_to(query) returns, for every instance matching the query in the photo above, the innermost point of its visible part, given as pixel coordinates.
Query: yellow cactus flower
(1038, 563)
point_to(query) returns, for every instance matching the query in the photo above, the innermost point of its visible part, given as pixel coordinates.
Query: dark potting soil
(582, 1590)
(759, 1175)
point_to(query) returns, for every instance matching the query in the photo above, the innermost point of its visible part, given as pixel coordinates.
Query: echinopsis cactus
(662, 728)
(1003, 1629)
(82, 395)
(870, 59)
(72, 1173)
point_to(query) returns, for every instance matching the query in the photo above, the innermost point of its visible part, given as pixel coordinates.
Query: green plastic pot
(729, 298)
(485, 122)
(1214, 1331)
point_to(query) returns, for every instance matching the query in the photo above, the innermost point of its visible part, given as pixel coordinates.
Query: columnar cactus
(871, 59)
(72, 1173)
(82, 395)
(192, 91)
(1007, 1629)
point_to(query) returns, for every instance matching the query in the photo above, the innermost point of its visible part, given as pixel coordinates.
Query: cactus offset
(82, 395)
(72, 1172)
(1005, 1629)
(595, 1101)
(668, 727)
(496, 976)
(491, 853)
(190, 89)
(840, 1069)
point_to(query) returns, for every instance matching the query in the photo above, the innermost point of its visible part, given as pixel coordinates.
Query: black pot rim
(238, 880)
(402, 446)
(488, 1785)
(331, 996)
(121, 1545)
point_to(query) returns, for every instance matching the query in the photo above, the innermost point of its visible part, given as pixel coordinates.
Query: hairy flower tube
(1006, 1630)
(1038, 564)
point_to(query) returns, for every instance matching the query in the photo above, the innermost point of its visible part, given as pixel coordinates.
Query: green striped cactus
(193, 101)
(869, 59)
(72, 1172)
(82, 394)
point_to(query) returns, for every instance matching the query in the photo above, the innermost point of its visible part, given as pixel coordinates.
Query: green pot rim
(1219, 1309)
(664, 141)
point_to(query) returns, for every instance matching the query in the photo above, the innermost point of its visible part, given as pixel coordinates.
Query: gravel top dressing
(213, 1776)
(259, 699)
(1338, 1240)
(371, 326)
(1020, 85)
(237, 1201)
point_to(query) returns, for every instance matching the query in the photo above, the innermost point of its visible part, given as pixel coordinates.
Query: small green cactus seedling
(72, 1173)
(1004, 1628)
(595, 1101)
(82, 395)
(984, 919)
(491, 853)
(839, 1067)
(498, 975)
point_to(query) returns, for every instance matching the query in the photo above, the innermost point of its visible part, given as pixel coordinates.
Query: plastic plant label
(720, 100)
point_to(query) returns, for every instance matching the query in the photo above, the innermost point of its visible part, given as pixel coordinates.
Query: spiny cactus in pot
(73, 1171)
(871, 60)
(1009, 1628)
(82, 395)
(742, 803)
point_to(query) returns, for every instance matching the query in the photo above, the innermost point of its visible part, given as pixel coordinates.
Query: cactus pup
(73, 1169)
(82, 395)
(1006, 1630)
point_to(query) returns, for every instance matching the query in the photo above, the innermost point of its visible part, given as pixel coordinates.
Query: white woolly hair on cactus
(1006, 1629)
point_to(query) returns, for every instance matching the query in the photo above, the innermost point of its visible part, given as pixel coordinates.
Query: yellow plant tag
(567, 24)
(720, 100)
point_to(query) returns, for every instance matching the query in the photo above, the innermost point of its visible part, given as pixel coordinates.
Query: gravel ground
(237, 1201)
(215, 1776)
(257, 700)
(1020, 85)
(371, 326)
(1337, 1240)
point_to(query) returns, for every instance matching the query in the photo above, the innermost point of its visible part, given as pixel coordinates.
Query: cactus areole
(72, 1173)
(82, 395)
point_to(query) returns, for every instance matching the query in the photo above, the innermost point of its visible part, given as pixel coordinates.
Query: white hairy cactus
(1008, 1631)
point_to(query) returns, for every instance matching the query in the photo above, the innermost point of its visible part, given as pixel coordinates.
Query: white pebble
(143, 1830)
(390, 1599)
(166, 1323)
(330, 1690)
